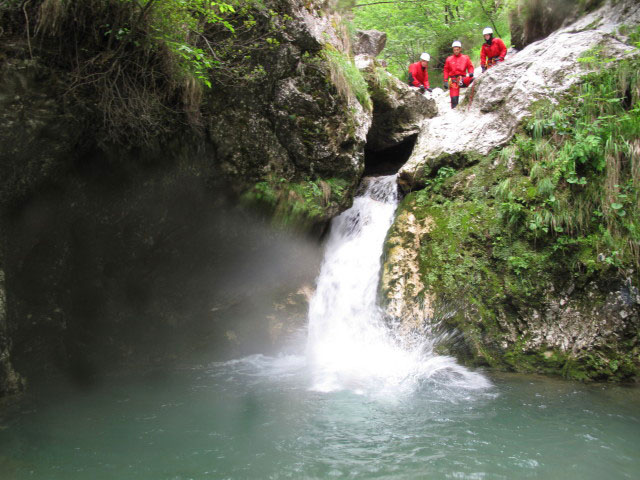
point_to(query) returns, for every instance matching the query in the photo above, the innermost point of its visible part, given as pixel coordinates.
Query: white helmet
(425, 56)
(487, 31)
(456, 44)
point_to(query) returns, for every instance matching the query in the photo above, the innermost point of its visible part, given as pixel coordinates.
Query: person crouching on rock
(458, 72)
(419, 74)
(493, 50)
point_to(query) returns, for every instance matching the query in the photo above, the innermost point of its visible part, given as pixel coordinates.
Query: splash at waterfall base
(349, 345)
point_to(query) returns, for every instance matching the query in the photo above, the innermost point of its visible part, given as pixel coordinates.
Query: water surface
(259, 418)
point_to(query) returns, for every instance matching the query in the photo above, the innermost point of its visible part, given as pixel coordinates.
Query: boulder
(401, 273)
(369, 42)
(398, 110)
(493, 108)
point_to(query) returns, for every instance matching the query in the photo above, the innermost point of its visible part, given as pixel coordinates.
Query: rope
(473, 87)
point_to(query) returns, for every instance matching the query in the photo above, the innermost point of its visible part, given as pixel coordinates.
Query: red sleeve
(469, 65)
(503, 49)
(446, 70)
(483, 56)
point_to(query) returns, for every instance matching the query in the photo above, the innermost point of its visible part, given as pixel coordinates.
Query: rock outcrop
(298, 124)
(519, 299)
(532, 20)
(502, 97)
(398, 110)
(405, 294)
(369, 42)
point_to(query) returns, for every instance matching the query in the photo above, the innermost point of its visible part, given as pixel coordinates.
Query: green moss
(346, 77)
(548, 361)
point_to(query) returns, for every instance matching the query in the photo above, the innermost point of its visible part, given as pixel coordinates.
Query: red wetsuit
(492, 51)
(418, 76)
(455, 70)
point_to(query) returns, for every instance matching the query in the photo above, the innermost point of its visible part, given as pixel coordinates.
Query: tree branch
(495, 29)
(26, 19)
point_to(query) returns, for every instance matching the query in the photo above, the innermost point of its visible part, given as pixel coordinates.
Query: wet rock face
(401, 283)
(102, 238)
(10, 381)
(587, 334)
(587, 330)
(577, 323)
(494, 107)
(37, 134)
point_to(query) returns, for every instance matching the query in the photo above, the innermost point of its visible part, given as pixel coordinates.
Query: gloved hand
(470, 75)
(446, 85)
(484, 69)
(421, 88)
(429, 89)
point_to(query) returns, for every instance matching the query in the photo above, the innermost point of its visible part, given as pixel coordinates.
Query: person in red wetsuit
(458, 72)
(419, 73)
(493, 50)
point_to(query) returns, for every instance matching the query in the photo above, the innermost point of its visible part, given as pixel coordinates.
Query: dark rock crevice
(389, 160)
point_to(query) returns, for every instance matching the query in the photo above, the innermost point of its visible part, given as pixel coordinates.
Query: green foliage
(416, 27)
(593, 164)
(435, 184)
(142, 66)
(178, 24)
(634, 37)
(297, 205)
(346, 77)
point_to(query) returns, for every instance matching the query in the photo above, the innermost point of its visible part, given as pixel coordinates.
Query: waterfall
(349, 346)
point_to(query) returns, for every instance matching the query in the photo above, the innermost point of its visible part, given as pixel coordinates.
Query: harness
(458, 79)
(492, 61)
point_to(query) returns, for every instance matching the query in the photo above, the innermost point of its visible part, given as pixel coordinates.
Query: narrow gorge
(234, 244)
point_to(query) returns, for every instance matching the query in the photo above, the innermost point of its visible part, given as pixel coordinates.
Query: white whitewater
(349, 346)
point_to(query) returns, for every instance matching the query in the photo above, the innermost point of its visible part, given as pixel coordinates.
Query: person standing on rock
(458, 72)
(419, 73)
(493, 50)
